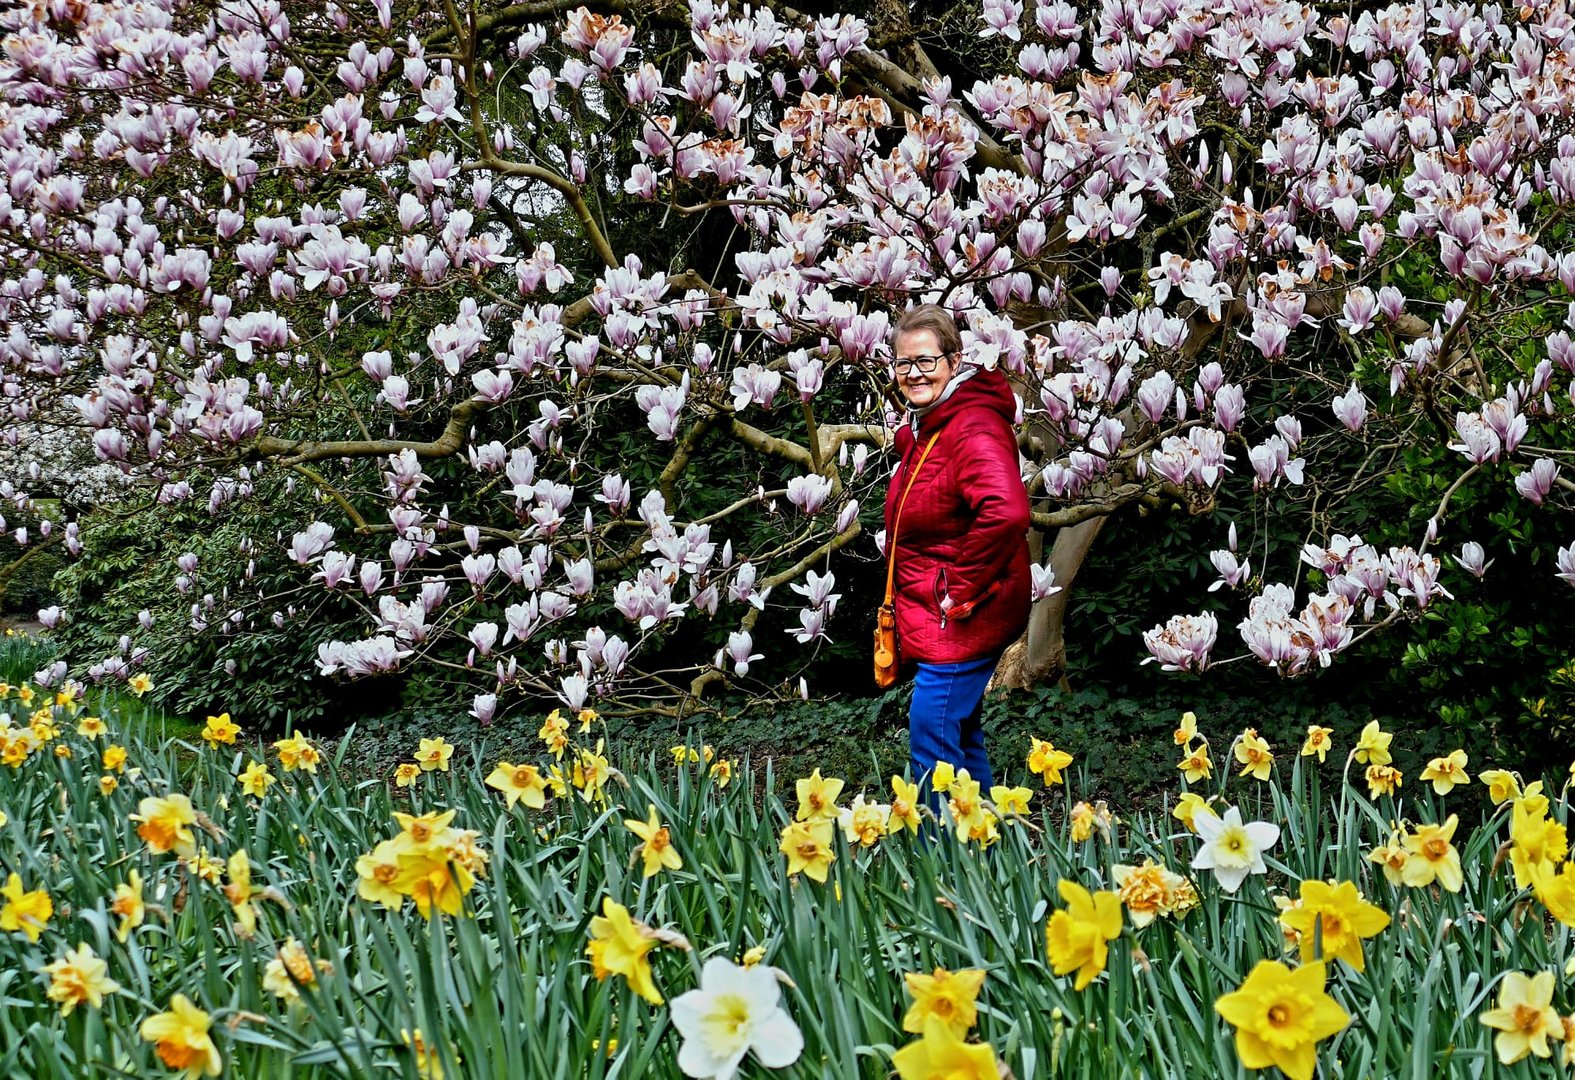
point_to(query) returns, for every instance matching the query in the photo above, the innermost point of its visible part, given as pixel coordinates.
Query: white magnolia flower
(736, 1010)
(1233, 850)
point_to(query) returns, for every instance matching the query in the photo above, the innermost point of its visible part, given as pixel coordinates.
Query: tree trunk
(1040, 654)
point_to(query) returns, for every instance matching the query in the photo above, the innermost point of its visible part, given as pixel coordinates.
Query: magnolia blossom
(1183, 643)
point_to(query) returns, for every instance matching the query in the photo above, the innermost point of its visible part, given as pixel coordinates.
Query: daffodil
(1372, 745)
(657, 851)
(24, 912)
(941, 1055)
(180, 1038)
(80, 977)
(591, 773)
(428, 1059)
(1392, 857)
(1149, 891)
(406, 774)
(734, 1012)
(684, 755)
(555, 734)
(1382, 780)
(1280, 1015)
(1556, 890)
(377, 872)
(297, 752)
(942, 775)
(817, 798)
(1524, 1018)
(1076, 936)
(1232, 849)
(1433, 857)
(91, 727)
(905, 804)
(127, 903)
(1083, 821)
(434, 754)
(1254, 755)
(1502, 785)
(949, 996)
(808, 847)
(165, 823)
(1335, 916)
(620, 945)
(1044, 760)
(114, 759)
(1536, 839)
(1319, 741)
(220, 729)
(1447, 773)
(519, 783)
(239, 893)
(864, 823)
(292, 968)
(1188, 807)
(1187, 729)
(255, 779)
(1011, 800)
(722, 771)
(139, 683)
(1196, 764)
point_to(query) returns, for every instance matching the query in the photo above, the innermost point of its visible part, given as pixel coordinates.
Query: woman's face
(921, 389)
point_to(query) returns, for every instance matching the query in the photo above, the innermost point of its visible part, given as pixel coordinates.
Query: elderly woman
(961, 582)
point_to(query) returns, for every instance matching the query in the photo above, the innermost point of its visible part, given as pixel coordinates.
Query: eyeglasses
(924, 365)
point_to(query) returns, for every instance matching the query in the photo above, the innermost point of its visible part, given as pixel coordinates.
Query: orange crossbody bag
(886, 617)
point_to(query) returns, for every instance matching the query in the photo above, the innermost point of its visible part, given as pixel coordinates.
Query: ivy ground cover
(241, 907)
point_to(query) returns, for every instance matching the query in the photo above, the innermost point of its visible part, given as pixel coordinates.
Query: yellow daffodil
(428, 1060)
(1556, 890)
(128, 905)
(114, 759)
(220, 729)
(1186, 730)
(296, 752)
(424, 829)
(254, 779)
(292, 968)
(722, 771)
(180, 1038)
(519, 783)
(139, 683)
(1383, 780)
(91, 727)
(79, 978)
(817, 798)
(905, 804)
(1372, 746)
(1196, 765)
(808, 847)
(555, 734)
(942, 775)
(1188, 806)
(239, 892)
(864, 823)
(407, 774)
(1392, 857)
(1502, 786)
(166, 824)
(434, 754)
(586, 717)
(657, 851)
(1044, 760)
(1149, 891)
(1076, 936)
(1280, 1015)
(25, 913)
(620, 945)
(1254, 755)
(1011, 800)
(1336, 915)
(1447, 773)
(591, 773)
(1084, 819)
(1319, 741)
(949, 996)
(685, 755)
(1536, 839)
(941, 1055)
(377, 871)
(1433, 857)
(1525, 1018)
(204, 867)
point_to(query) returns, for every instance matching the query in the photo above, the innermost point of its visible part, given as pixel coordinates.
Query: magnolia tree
(494, 280)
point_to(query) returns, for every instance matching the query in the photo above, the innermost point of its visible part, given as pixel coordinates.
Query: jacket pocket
(942, 593)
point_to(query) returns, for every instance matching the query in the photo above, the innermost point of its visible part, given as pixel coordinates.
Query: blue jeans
(943, 720)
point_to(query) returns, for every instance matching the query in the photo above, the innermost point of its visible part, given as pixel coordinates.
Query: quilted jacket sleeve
(991, 487)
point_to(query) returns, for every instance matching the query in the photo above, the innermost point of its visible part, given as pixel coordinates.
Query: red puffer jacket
(964, 531)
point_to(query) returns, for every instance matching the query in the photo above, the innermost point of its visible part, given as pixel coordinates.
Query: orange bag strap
(891, 543)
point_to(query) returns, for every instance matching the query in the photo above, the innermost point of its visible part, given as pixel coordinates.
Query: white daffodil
(735, 1011)
(1233, 850)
